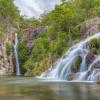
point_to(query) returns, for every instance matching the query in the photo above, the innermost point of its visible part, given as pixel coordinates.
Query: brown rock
(30, 33)
(98, 82)
(90, 26)
(71, 76)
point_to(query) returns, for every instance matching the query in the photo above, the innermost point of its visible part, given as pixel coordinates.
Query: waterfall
(18, 72)
(63, 67)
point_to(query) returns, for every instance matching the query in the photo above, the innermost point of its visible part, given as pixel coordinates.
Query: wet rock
(96, 65)
(98, 82)
(76, 63)
(71, 76)
(98, 75)
(89, 58)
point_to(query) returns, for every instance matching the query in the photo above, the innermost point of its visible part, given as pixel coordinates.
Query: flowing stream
(62, 69)
(18, 72)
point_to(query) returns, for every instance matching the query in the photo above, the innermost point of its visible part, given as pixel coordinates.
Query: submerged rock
(71, 76)
(98, 82)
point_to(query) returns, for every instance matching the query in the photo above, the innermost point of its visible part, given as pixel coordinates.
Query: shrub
(8, 48)
(22, 53)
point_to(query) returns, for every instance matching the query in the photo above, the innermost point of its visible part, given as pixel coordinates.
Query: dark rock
(71, 76)
(89, 58)
(98, 82)
(76, 63)
(96, 65)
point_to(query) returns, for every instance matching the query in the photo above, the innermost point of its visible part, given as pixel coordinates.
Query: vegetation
(8, 48)
(94, 46)
(61, 31)
(23, 54)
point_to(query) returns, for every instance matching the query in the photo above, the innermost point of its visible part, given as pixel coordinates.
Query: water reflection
(33, 89)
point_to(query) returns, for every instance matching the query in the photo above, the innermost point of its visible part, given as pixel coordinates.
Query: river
(25, 88)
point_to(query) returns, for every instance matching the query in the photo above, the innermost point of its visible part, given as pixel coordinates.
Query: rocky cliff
(90, 26)
(6, 53)
(29, 34)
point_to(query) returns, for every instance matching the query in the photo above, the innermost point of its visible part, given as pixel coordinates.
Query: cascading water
(63, 67)
(18, 72)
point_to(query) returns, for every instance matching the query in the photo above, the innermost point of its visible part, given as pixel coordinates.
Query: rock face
(30, 33)
(90, 27)
(6, 55)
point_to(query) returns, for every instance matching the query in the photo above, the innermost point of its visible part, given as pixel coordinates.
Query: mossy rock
(93, 51)
(89, 58)
(76, 63)
(94, 43)
(98, 51)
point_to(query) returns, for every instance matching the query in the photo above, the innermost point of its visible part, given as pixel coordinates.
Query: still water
(21, 88)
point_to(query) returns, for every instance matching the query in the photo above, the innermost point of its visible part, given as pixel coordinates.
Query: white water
(18, 72)
(63, 67)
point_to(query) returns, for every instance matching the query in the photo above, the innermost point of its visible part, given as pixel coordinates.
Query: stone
(89, 58)
(98, 82)
(71, 76)
(96, 65)
(30, 34)
(90, 26)
(76, 63)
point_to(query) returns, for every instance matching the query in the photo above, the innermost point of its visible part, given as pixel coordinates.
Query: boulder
(96, 65)
(98, 82)
(29, 34)
(76, 63)
(90, 26)
(71, 76)
(89, 58)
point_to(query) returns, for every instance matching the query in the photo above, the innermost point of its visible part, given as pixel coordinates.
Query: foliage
(8, 48)
(8, 11)
(94, 46)
(22, 52)
(61, 31)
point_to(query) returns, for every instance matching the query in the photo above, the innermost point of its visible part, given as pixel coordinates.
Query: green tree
(22, 53)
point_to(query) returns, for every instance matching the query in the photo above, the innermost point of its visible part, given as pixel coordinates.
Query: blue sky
(34, 8)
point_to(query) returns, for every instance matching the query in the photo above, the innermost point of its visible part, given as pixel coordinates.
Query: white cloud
(34, 8)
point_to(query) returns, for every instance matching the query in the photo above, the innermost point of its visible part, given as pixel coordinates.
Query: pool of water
(24, 88)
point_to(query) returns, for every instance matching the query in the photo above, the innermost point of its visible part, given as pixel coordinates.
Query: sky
(34, 8)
